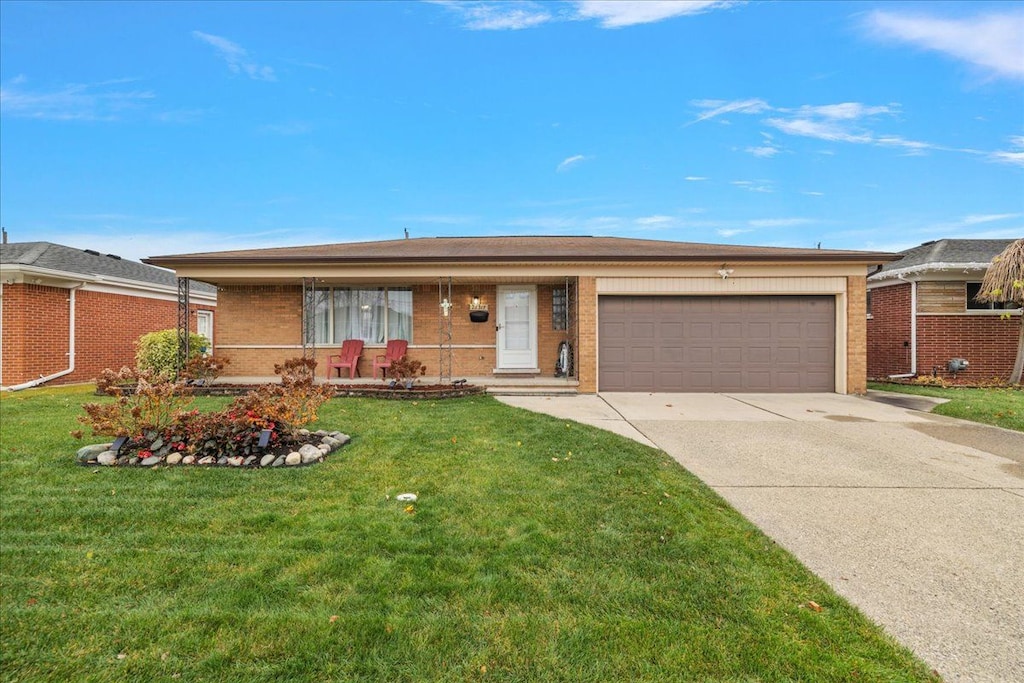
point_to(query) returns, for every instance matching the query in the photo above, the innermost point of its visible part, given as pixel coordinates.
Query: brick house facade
(114, 302)
(541, 292)
(922, 315)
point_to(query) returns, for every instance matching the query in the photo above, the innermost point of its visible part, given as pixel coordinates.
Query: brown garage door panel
(706, 344)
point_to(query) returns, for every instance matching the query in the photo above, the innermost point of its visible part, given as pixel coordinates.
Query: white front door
(204, 326)
(517, 327)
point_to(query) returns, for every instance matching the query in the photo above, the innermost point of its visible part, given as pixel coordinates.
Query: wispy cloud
(991, 42)
(515, 15)
(102, 101)
(778, 222)
(812, 193)
(753, 185)
(498, 16)
(767, 149)
(732, 232)
(289, 128)
(979, 219)
(572, 161)
(695, 178)
(237, 57)
(654, 220)
(849, 122)
(715, 108)
(1014, 155)
(632, 12)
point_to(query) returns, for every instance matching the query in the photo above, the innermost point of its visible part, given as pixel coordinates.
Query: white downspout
(913, 327)
(71, 349)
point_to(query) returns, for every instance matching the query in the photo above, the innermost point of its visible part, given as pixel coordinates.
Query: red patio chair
(396, 348)
(348, 359)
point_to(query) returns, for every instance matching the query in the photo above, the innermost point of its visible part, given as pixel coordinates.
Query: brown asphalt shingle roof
(514, 250)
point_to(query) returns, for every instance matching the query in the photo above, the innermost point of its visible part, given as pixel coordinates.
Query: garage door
(716, 343)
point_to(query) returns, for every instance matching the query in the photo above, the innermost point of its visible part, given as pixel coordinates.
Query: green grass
(519, 562)
(999, 407)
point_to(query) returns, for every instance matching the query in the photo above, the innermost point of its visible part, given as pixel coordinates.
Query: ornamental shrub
(158, 351)
(145, 407)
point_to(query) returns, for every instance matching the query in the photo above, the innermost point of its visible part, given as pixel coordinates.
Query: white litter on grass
(406, 497)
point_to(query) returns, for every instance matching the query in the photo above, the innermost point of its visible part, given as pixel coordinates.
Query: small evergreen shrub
(158, 351)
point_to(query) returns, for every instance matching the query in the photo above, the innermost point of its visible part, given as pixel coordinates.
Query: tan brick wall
(586, 354)
(856, 335)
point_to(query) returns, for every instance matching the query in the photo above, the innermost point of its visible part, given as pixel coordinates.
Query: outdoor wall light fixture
(476, 301)
(725, 272)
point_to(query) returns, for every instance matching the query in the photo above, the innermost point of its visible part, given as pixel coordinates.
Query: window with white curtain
(374, 315)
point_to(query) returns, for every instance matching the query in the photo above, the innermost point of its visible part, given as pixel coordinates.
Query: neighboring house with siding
(67, 314)
(639, 315)
(922, 313)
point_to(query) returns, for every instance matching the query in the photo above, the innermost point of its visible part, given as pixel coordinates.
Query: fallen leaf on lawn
(30, 602)
(483, 669)
(554, 459)
(410, 509)
(121, 655)
(814, 606)
(454, 439)
(164, 656)
(519, 443)
(334, 618)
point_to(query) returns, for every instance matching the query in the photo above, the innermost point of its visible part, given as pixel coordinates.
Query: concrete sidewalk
(916, 519)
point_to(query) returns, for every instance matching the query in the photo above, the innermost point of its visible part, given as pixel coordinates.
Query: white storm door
(517, 328)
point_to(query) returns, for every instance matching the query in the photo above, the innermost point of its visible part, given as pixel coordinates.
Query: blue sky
(154, 128)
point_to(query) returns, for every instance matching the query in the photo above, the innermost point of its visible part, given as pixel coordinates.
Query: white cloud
(1014, 155)
(731, 232)
(290, 128)
(988, 218)
(778, 222)
(718, 107)
(811, 193)
(753, 185)
(992, 42)
(514, 15)
(73, 102)
(694, 178)
(498, 16)
(237, 57)
(631, 12)
(764, 151)
(653, 220)
(845, 110)
(572, 161)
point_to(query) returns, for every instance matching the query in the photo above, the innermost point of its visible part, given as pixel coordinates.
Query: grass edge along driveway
(1002, 407)
(539, 550)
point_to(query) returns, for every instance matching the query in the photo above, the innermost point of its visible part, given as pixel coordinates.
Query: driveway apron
(916, 519)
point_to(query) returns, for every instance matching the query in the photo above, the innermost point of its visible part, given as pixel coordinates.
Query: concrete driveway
(915, 518)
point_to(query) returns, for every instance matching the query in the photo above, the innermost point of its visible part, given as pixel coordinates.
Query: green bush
(158, 351)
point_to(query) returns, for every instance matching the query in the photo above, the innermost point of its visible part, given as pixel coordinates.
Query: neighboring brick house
(639, 315)
(67, 314)
(922, 314)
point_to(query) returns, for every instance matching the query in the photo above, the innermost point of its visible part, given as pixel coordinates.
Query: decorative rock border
(321, 444)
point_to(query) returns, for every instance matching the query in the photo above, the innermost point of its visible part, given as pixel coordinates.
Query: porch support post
(309, 317)
(444, 317)
(183, 326)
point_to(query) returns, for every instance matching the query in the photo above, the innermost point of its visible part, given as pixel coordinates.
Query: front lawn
(999, 407)
(539, 550)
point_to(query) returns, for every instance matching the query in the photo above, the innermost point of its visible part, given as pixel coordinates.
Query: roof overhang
(17, 273)
(918, 271)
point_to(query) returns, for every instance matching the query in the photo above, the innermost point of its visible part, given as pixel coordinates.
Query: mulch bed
(417, 393)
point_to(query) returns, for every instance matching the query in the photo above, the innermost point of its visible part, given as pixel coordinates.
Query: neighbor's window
(867, 303)
(373, 315)
(973, 289)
